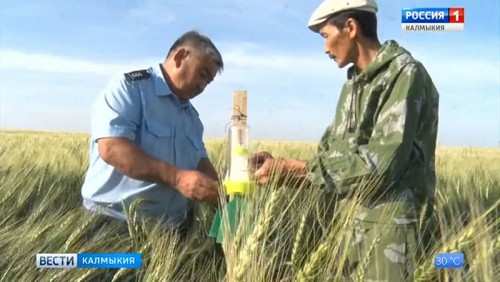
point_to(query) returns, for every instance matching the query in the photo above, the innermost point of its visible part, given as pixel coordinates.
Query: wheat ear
(257, 236)
(297, 242)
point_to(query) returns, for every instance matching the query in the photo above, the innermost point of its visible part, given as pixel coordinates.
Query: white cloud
(252, 61)
(70, 119)
(287, 62)
(292, 95)
(29, 61)
(452, 67)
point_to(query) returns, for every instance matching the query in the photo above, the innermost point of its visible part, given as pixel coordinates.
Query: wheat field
(40, 206)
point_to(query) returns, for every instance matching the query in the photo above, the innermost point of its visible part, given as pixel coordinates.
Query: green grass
(40, 203)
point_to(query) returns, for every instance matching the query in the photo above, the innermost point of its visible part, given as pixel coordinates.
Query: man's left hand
(290, 171)
(269, 169)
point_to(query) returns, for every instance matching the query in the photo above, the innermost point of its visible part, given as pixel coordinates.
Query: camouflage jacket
(385, 127)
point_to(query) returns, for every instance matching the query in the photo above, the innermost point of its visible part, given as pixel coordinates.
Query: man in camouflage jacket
(384, 132)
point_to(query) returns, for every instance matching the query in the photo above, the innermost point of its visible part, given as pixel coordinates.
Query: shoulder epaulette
(137, 75)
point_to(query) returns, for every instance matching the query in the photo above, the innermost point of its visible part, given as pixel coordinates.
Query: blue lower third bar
(109, 260)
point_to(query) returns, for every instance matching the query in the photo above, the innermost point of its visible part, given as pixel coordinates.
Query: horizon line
(213, 138)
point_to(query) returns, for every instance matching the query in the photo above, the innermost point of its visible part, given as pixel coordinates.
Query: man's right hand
(197, 186)
(258, 159)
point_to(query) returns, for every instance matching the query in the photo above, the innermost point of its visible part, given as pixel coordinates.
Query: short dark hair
(367, 21)
(202, 44)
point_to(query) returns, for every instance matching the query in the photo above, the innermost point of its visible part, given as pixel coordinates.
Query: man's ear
(180, 55)
(352, 27)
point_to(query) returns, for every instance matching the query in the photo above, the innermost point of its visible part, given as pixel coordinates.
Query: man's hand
(197, 186)
(131, 160)
(269, 169)
(265, 167)
(258, 159)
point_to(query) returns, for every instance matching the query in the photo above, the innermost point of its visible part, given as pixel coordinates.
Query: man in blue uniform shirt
(146, 139)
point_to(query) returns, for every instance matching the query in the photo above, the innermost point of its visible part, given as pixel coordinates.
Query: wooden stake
(239, 115)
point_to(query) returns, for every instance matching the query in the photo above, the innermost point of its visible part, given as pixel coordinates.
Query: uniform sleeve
(387, 153)
(117, 110)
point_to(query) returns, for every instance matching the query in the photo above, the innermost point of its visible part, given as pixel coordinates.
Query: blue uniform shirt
(141, 107)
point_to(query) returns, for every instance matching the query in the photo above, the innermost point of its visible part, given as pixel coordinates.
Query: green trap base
(228, 217)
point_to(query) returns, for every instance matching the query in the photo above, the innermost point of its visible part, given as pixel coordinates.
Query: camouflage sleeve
(315, 163)
(389, 147)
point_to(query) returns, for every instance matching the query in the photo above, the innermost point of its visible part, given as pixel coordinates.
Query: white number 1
(456, 13)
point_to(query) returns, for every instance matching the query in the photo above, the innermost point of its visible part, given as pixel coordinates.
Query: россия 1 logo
(433, 19)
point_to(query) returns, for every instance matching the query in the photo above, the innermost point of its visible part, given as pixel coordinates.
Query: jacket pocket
(391, 247)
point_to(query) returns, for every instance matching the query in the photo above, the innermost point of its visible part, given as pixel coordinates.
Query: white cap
(329, 7)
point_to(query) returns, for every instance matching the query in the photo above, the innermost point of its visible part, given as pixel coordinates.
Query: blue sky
(55, 57)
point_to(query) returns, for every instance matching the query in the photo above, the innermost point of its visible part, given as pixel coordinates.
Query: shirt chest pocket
(193, 150)
(158, 140)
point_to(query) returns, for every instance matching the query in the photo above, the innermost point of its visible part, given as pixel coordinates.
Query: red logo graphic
(456, 15)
